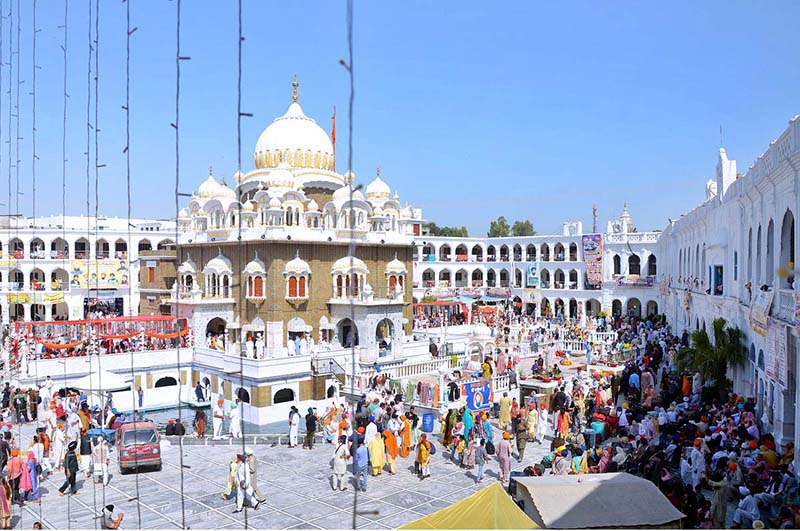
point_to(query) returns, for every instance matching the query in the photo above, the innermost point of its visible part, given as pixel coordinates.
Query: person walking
(252, 464)
(244, 491)
(311, 429)
(340, 457)
(294, 423)
(504, 458)
(377, 454)
(541, 425)
(480, 460)
(521, 428)
(217, 416)
(424, 456)
(70, 469)
(505, 412)
(236, 421)
(392, 451)
(230, 484)
(15, 467)
(361, 465)
(100, 460)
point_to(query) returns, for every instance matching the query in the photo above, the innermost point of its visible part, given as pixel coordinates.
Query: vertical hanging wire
(242, 343)
(34, 158)
(352, 243)
(64, 191)
(127, 107)
(89, 327)
(178, 60)
(16, 162)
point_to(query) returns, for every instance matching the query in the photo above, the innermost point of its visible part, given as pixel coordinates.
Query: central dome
(296, 139)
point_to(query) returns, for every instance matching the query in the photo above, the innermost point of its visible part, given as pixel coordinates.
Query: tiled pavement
(295, 482)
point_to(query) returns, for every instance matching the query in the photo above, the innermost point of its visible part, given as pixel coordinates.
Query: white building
(547, 274)
(734, 257)
(54, 267)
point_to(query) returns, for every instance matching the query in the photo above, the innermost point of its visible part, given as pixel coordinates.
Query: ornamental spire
(295, 84)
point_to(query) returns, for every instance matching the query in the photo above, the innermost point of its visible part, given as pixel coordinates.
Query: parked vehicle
(139, 445)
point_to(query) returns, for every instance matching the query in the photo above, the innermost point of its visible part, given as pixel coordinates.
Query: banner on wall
(478, 395)
(759, 312)
(35, 298)
(593, 260)
(775, 356)
(102, 274)
(635, 281)
(533, 275)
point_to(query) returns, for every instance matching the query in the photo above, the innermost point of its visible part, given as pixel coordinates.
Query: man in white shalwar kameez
(245, 487)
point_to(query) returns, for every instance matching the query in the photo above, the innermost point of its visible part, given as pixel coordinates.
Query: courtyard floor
(295, 482)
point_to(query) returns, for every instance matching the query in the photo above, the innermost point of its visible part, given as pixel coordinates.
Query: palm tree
(712, 360)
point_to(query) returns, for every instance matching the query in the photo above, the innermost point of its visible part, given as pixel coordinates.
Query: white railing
(568, 344)
(604, 337)
(410, 370)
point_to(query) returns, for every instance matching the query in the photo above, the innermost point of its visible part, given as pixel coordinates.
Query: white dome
(188, 267)
(291, 135)
(275, 203)
(280, 177)
(396, 266)
(312, 206)
(343, 194)
(224, 192)
(343, 265)
(183, 214)
(208, 188)
(255, 266)
(297, 265)
(220, 264)
(378, 189)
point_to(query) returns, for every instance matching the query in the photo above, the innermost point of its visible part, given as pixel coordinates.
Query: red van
(138, 444)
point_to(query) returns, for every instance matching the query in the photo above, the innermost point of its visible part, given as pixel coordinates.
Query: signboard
(593, 260)
(274, 336)
(635, 281)
(775, 356)
(759, 311)
(533, 275)
(500, 293)
(478, 395)
(102, 274)
(36, 298)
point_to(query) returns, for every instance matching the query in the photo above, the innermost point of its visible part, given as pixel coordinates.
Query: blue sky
(526, 109)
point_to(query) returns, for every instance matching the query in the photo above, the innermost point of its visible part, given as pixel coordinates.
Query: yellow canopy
(489, 508)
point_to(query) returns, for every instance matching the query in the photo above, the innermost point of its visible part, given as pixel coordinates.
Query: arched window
(301, 289)
(651, 265)
(243, 395)
(617, 265)
(166, 381)
(292, 286)
(284, 395)
(634, 265)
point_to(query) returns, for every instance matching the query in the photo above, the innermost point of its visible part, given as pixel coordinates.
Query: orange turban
(506, 435)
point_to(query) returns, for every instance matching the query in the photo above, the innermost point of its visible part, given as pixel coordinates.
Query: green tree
(456, 232)
(523, 228)
(712, 360)
(499, 228)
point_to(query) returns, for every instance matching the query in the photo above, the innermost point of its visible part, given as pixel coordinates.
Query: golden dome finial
(210, 169)
(378, 172)
(295, 84)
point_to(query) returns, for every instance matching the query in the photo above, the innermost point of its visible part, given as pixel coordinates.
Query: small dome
(220, 264)
(396, 266)
(312, 206)
(349, 264)
(250, 206)
(297, 266)
(188, 267)
(223, 192)
(208, 188)
(183, 214)
(238, 176)
(378, 189)
(349, 177)
(280, 177)
(275, 203)
(378, 212)
(255, 266)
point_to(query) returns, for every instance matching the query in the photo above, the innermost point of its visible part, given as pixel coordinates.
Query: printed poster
(98, 274)
(35, 298)
(759, 312)
(775, 356)
(478, 395)
(533, 275)
(593, 260)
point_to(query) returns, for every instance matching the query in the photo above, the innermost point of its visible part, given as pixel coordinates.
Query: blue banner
(478, 395)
